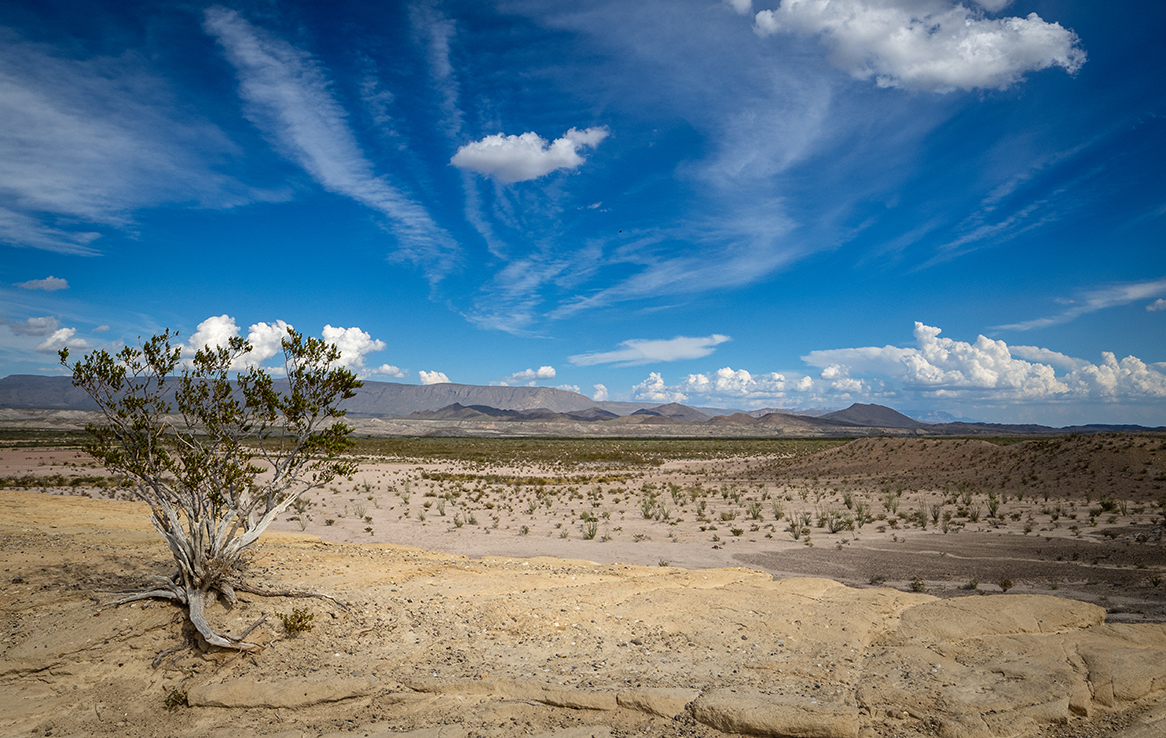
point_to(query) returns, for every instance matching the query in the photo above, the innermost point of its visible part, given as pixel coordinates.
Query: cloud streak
(1095, 300)
(288, 96)
(641, 351)
(33, 326)
(85, 143)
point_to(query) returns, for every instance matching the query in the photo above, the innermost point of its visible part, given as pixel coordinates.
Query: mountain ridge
(555, 411)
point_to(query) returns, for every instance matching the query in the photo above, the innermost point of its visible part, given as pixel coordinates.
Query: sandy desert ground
(551, 594)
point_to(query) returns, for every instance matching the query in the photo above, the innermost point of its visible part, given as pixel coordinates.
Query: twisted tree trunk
(242, 454)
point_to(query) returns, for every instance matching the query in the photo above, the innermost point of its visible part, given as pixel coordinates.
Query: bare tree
(236, 455)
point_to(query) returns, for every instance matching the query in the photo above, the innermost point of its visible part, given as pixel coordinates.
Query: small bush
(917, 585)
(176, 698)
(1005, 584)
(299, 621)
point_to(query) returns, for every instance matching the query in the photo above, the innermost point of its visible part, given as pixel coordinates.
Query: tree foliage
(217, 453)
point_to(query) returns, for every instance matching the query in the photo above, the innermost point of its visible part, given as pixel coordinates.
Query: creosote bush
(298, 621)
(240, 451)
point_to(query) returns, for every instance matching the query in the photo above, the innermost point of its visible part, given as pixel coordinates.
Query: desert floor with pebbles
(876, 587)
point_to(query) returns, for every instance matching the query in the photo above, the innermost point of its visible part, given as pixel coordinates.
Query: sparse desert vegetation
(498, 623)
(1081, 515)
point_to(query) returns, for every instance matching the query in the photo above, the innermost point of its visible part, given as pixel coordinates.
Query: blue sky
(935, 206)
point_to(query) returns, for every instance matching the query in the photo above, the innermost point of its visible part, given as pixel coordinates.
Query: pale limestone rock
(754, 712)
(968, 617)
(530, 691)
(661, 701)
(286, 693)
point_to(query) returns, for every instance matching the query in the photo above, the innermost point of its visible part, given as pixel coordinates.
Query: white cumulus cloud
(216, 330)
(848, 386)
(942, 363)
(992, 371)
(931, 45)
(48, 284)
(433, 377)
(511, 159)
(388, 370)
(640, 351)
(600, 392)
(1159, 304)
(653, 389)
(353, 344)
(730, 387)
(835, 371)
(266, 342)
(1128, 379)
(60, 339)
(735, 383)
(531, 375)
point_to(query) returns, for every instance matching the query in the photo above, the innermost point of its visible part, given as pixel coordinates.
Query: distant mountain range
(390, 408)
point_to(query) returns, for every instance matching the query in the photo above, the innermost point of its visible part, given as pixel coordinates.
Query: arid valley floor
(881, 586)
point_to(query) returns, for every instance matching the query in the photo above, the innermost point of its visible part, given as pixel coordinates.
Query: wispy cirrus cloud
(640, 351)
(85, 143)
(1093, 301)
(287, 95)
(756, 117)
(42, 326)
(436, 33)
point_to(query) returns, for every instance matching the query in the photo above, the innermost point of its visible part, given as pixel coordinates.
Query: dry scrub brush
(237, 455)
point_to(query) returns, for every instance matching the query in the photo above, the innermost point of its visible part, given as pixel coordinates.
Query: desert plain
(579, 587)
